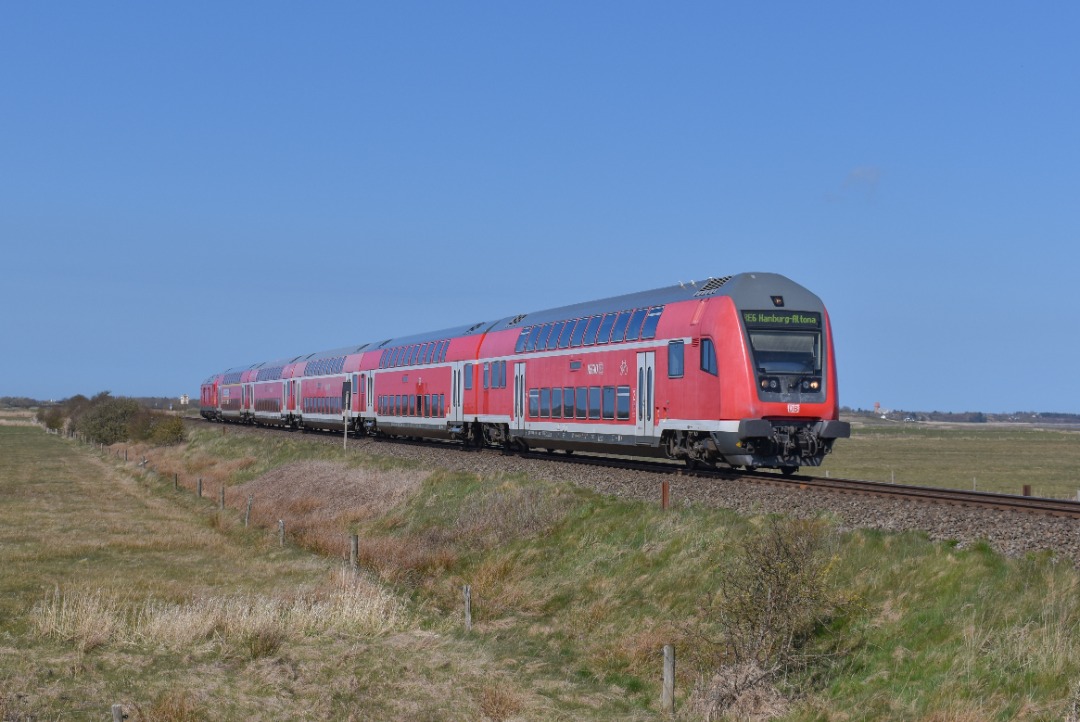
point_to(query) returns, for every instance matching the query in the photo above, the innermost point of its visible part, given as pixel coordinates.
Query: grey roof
(749, 290)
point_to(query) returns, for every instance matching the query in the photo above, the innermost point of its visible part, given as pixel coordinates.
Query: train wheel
(788, 470)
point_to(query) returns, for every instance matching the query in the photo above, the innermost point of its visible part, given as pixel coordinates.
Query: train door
(284, 397)
(457, 390)
(646, 383)
(519, 396)
(371, 393)
(297, 397)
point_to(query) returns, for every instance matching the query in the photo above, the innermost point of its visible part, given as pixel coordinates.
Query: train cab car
(736, 371)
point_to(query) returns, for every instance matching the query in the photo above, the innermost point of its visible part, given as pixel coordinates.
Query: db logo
(793, 408)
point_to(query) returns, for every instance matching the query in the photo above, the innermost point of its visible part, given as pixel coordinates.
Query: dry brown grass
(498, 701)
(251, 625)
(319, 500)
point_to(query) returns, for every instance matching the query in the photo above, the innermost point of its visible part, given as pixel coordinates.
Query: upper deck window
(564, 337)
(618, 332)
(633, 331)
(605, 328)
(590, 330)
(651, 322)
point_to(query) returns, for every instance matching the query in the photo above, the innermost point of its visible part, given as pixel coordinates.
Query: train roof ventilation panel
(474, 327)
(517, 319)
(712, 286)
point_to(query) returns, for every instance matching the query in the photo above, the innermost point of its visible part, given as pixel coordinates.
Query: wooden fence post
(354, 552)
(665, 494)
(1027, 489)
(221, 505)
(198, 488)
(281, 531)
(667, 696)
(175, 481)
(467, 590)
(118, 713)
(247, 514)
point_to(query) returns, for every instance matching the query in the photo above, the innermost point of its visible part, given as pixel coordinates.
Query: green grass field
(989, 457)
(116, 589)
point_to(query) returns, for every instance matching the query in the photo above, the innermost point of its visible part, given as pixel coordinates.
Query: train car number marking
(596, 369)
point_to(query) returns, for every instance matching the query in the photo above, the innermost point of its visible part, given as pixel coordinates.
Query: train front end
(786, 405)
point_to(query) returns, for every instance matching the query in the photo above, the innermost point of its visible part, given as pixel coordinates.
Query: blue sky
(192, 187)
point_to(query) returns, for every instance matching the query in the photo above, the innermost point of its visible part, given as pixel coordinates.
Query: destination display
(782, 319)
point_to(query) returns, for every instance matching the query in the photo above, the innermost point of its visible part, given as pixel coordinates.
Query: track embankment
(1013, 532)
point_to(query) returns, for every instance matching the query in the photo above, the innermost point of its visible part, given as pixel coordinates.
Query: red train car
(738, 370)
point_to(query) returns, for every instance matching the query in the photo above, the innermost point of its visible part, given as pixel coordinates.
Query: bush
(167, 430)
(776, 594)
(52, 418)
(108, 420)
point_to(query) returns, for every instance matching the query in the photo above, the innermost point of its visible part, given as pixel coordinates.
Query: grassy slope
(573, 593)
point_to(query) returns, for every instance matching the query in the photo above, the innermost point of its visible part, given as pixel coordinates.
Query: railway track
(1064, 508)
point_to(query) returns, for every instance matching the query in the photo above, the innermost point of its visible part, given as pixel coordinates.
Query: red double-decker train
(738, 370)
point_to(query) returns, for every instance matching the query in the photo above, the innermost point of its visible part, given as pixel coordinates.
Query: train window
(429, 352)
(549, 330)
(427, 405)
(619, 330)
(675, 360)
(468, 377)
(413, 352)
(568, 402)
(594, 402)
(708, 356)
(487, 375)
(545, 403)
(445, 348)
(556, 403)
(442, 404)
(605, 328)
(622, 402)
(786, 352)
(556, 332)
(534, 338)
(591, 329)
(579, 332)
(609, 402)
(564, 337)
(633, 331)
(523, 339)
(502, 374)
(651, 322)
(412, 404)
(534, 402)
(581, 402)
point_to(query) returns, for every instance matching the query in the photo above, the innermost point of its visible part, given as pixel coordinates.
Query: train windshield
(786, 352)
